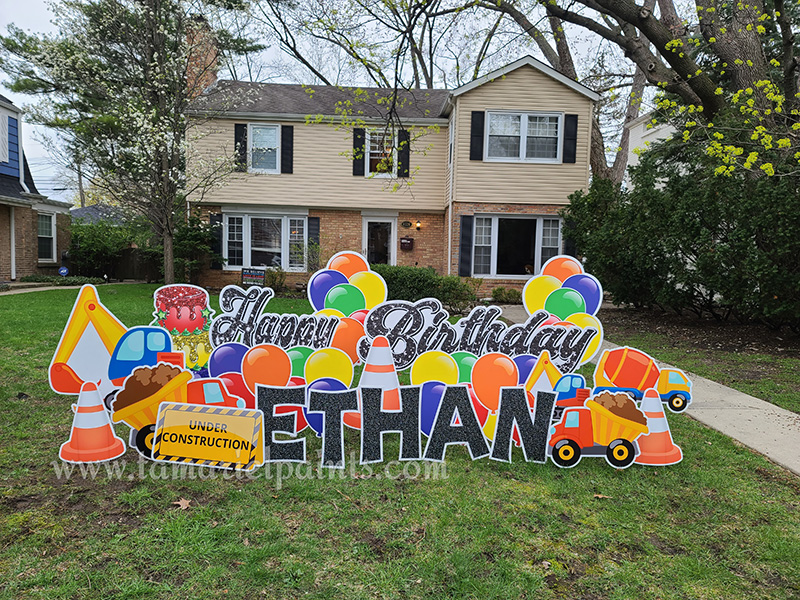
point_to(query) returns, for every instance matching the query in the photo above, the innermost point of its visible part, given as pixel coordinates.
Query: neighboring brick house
(34, 230)
(478, 188)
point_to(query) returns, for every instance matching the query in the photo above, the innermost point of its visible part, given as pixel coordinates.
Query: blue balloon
(320, 284)
(226, 358)
(324, 384)
(525, 363)
(430, 399)
(588, 287)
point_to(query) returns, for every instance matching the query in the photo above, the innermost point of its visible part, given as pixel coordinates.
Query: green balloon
(564, 302)
(465, 362)
(345, 298)
(299, 355)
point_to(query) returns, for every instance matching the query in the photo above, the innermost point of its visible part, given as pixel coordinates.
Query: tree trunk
(169, 262)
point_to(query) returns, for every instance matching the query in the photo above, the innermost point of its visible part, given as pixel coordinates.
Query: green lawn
(722, 524)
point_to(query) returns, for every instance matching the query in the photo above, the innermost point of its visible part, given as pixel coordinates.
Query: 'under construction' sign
(224, 438)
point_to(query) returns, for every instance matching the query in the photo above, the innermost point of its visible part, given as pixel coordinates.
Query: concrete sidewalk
(764, 427)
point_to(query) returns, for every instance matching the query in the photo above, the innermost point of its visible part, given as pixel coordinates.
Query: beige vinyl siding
(323, 172)
(524, 89)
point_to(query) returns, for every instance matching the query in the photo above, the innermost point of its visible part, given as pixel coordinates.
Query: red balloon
(346, 337)
(266, 364)
(490, 373)
(480, 410)
(551, 320)
(360, 315)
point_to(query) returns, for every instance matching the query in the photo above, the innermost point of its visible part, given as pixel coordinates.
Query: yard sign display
(215, 390)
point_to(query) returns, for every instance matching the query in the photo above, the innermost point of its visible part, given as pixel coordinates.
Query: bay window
(269, 241)
(511, 246)
(523, 137)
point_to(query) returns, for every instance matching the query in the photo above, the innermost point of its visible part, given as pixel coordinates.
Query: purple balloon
(525, 363)
(226, 358)
(324, 384)
(588, 287)
(430, 399)
(320, 284)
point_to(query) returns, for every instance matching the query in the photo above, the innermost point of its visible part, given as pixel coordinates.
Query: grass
(722, 524)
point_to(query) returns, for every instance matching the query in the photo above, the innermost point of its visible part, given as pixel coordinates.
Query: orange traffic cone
(92, 438)
(656, 448)
(379, 372)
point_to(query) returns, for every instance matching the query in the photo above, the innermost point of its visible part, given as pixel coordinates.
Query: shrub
(58, 280)
(96, 248)
(275, 279)
(193, 247)
(503, 295)
(414, 283)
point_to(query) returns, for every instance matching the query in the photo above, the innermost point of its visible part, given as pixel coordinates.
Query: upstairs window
(380, 154)
(523, 137)
(264, 148)
(47, 237)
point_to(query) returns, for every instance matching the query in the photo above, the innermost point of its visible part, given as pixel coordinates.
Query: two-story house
(475, 176)
(34, 230)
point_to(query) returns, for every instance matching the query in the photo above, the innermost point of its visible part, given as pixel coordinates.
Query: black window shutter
(476, 135)
(287, 148)
(403, 153)
(240, 143)
(359, 137)
(215, 219)
(465, 246)
(313, 243)
(570, 138)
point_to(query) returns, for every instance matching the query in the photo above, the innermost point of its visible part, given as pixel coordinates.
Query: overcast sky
(32, 15)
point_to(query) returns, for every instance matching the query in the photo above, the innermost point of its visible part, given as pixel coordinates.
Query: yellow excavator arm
(87, 309)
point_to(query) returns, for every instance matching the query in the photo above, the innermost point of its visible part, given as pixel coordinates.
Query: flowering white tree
(117, 80)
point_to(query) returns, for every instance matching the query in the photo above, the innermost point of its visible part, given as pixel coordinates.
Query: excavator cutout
(86, 346)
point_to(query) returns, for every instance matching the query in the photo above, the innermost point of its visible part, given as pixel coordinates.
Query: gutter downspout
(13, 238)
(451, 134)
(21, 154)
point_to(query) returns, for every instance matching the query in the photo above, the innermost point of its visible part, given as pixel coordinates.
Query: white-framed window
(523, 137)
(513, 245)
(46, 232)
(271, 241)
(263, 148)
(381, 154)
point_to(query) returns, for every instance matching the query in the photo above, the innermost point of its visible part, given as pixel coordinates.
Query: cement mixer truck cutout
(632, 371)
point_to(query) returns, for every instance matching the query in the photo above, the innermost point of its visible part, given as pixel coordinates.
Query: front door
(379, 241)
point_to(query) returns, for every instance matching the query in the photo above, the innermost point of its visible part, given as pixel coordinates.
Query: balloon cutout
(564, 302)
(589, 288)
(266, 364)
(562, 267)
(329, 363)
(348, 263)
(434, 365)
(320, 284)
(583, 321)
(525, 363)
(430, 399)
(465, 362)
(345, 338)
(299, 355)
(372, 286)
(536, 291)
(345, 298)
(490, 373)
(226, 359)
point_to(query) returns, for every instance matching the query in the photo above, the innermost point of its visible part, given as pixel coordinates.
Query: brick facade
(27, 244)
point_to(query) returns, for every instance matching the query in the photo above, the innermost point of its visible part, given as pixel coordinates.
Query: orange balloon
(266, 364)
(490, 373)
(346, 337)
(562, 267)
(348, 263)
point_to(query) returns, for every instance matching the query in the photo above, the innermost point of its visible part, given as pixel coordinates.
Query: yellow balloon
(434, 365)
(372, 286)
(490, 426)
(330, 312)
(583, 320)
(537, 290)
(329, 362)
